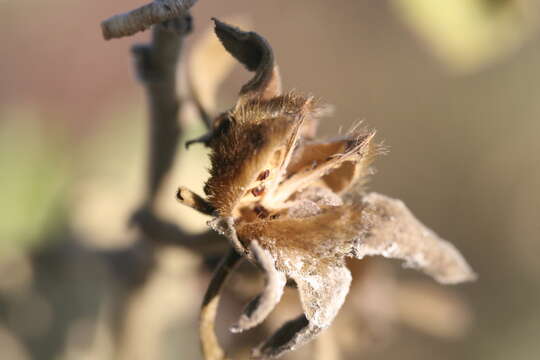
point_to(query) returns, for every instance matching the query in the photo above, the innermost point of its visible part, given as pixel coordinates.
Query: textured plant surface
(296, 206)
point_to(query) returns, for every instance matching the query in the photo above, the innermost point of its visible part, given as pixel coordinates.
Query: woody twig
(142, 18)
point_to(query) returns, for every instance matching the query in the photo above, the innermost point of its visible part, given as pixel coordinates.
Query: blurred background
(451, 87)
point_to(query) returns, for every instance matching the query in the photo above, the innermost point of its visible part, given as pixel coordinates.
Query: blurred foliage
(468, 34)
(34, 179)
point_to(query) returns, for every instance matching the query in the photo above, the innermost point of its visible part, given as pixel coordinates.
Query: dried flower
(295, 206)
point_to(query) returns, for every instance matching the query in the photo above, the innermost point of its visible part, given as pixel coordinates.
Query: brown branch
(142, 18)
(156, 65)
(209, 342)
(162, 232)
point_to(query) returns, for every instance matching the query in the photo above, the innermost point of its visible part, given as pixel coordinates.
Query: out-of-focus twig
(165, 233)
(142, 18)
(156, 65)
(209, 342)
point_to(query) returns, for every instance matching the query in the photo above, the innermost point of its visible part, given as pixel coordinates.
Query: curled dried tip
(194, 201)
(247, 47)
(291, 335)
(249, 317)
(260, 307)
(255, 53)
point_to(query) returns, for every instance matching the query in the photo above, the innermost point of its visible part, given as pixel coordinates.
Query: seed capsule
(257, 191)
(263, 175)
(261, 211)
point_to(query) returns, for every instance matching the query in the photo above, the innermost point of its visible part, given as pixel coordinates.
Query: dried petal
(391, 230)
(322, 293)
(309, 250)
(301, 245)
(259, 308)
(338, 164)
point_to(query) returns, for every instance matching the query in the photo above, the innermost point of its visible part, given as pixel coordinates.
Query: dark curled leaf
(254, 52)
(291, 335)
(258, 309)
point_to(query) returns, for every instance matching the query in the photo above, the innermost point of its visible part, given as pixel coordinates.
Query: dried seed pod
(263, 175)
(296, 207)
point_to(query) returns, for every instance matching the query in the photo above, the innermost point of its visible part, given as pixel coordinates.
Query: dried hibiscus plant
(296, 206)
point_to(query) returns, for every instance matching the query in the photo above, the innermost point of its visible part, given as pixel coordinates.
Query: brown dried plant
(291, 205)
(296, 206)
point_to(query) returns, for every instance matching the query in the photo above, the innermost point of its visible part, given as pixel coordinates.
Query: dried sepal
(304, 244)
(391, 230)
(254, 52)
(258, 309)
(322, 293)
